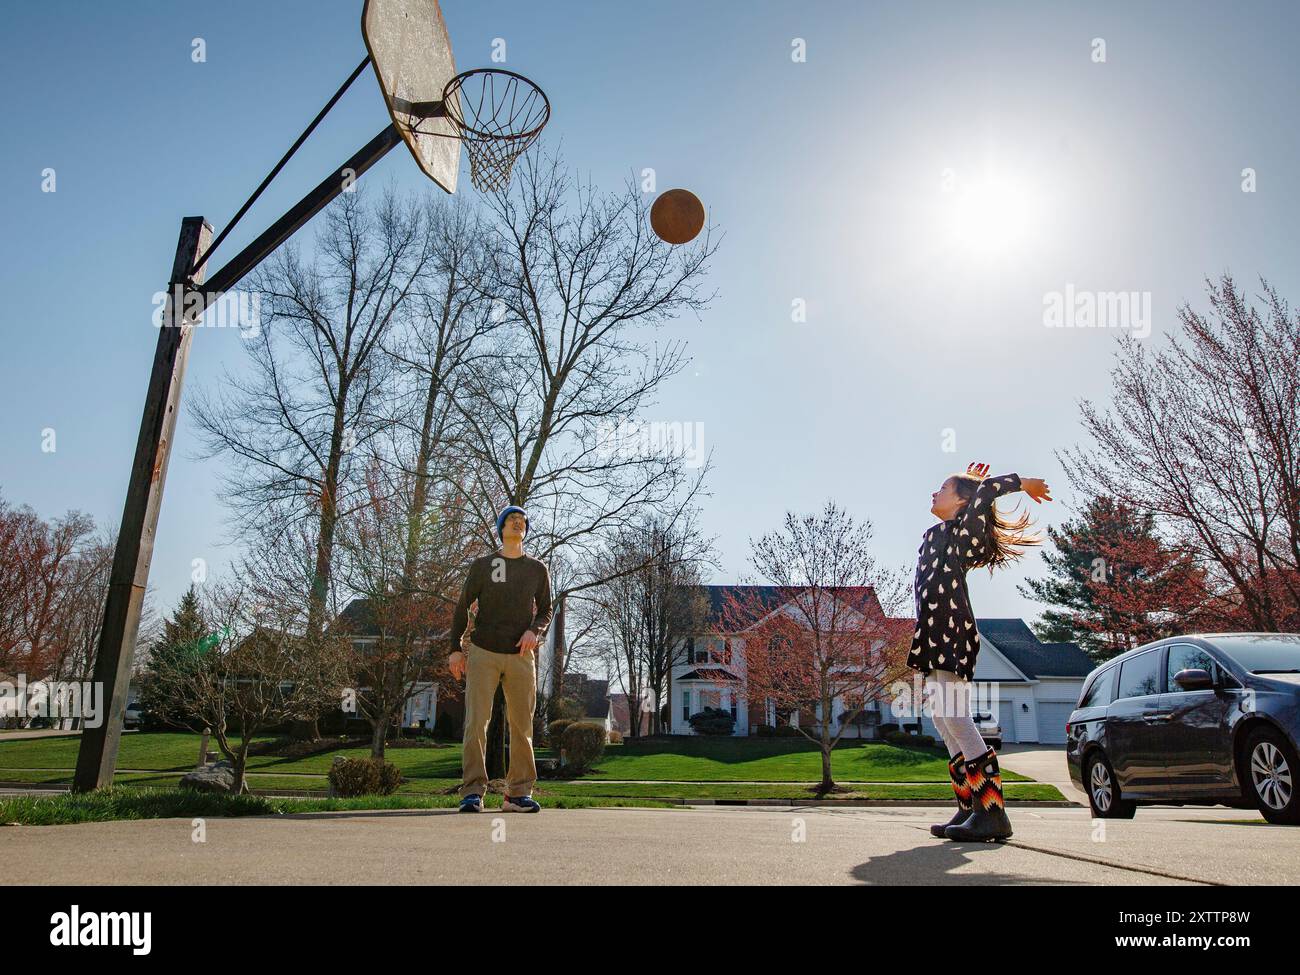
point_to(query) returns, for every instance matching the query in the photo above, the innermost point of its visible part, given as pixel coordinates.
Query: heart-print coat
(946, 637)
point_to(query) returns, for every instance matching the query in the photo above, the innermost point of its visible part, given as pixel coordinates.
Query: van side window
(1140, 675)
(1184, 656)
(1102, 691)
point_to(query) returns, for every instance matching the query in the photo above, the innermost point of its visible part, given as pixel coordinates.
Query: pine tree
(1113, 584)
(180, 637)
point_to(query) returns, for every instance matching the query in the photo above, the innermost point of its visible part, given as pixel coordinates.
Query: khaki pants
(517, 674)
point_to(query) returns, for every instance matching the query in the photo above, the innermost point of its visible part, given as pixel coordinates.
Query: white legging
(949, 699)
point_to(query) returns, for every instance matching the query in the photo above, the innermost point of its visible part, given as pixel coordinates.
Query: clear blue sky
(925, 307)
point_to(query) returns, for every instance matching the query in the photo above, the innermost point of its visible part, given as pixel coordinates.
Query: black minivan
(1210, 719)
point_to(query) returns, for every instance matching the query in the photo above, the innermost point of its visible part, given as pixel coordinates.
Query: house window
(686, 705)
(690, 649)
(733, 707)
(721, 652)
(700, 654)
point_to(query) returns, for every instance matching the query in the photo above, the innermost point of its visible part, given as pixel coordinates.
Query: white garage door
(1052, 716)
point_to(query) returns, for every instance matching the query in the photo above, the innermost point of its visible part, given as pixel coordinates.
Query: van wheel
(1103, 791)
(1269, 776)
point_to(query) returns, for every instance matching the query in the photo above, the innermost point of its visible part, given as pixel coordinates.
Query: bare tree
(649, 603)
(828, 634)
(293, 422)
(81, 610)
(446, 324)
(577, 280)
(1205, 435)
(258, 670)
(406, 599)
(38, 575)
(53, 586)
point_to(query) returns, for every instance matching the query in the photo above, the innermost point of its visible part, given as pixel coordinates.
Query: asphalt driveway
(657, 846)
(1045, 763)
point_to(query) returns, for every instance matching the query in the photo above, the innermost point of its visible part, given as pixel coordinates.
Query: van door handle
(1158, 716)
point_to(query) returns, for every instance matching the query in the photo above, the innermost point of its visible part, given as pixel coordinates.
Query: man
(513, 592)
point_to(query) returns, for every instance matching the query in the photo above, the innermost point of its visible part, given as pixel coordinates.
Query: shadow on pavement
(933, 861)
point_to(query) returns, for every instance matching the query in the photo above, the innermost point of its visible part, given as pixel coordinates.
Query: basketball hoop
(498, 115)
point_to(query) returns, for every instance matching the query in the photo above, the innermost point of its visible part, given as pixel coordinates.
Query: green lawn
(772, 760)
(685, 768)
(685, 759)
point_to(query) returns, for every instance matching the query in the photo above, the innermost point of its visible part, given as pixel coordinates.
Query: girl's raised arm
(972, 517)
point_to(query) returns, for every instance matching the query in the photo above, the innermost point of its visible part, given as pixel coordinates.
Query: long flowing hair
(1004, 538)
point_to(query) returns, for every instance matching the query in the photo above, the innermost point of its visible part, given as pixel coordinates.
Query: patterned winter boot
(957, 772)
(988, 819)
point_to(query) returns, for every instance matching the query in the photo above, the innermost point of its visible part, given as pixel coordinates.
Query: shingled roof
(358, 617)
(358, 620)
(766, 598)
(1030, 655)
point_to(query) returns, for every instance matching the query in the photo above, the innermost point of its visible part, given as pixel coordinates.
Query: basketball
(677, 216)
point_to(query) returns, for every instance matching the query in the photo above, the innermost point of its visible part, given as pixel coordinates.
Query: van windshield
(1263, 653)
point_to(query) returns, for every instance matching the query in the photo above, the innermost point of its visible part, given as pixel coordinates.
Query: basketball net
(499, 115)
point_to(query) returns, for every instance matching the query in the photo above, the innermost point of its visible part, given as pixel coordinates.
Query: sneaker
(471, 803)
(524, 804)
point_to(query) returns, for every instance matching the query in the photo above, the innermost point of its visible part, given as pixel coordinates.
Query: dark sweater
(506, 591)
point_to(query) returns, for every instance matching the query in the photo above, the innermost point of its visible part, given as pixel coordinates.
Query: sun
(991, 217)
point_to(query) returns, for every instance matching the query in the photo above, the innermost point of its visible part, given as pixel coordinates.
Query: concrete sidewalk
(647, 846)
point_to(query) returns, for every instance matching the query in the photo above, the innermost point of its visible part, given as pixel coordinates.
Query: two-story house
(709, 670)
(1029, 686)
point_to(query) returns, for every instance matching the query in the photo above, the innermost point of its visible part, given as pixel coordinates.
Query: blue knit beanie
(506, 513)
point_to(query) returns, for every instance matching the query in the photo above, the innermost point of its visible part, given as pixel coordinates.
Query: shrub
(364, 777)
(615, 737)
(765, 731)
(787, 731)
(583, 743)
(886, 728)
(712, 721)
(444, 728)
(555, 731)
(908, 740)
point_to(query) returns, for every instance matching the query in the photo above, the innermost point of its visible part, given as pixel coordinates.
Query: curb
(675, 800)
(860, 803)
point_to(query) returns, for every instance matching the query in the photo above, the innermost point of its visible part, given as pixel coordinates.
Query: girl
(971, 533)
